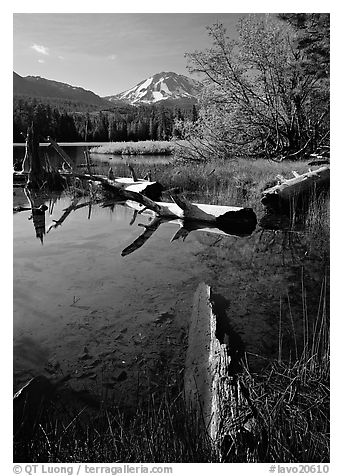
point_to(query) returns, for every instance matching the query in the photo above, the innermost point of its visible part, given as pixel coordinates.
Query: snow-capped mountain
(159, 87)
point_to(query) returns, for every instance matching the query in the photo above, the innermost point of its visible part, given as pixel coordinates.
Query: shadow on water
(226, 334)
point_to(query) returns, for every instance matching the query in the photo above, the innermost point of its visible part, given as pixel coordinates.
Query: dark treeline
(126, 123)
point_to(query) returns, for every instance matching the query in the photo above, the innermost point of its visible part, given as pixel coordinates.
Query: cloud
(43, 50)
(41, 61)
(60, 57)
(112, 57)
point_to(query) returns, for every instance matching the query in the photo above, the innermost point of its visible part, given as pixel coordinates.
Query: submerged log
(212, 385)
(198, 375)
(298, 186)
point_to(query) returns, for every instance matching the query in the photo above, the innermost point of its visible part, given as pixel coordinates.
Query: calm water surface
(83, 310)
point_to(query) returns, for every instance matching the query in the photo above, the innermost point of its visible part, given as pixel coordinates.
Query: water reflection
(185, 228)
(271, 223)
(100, 162)
(38, 208)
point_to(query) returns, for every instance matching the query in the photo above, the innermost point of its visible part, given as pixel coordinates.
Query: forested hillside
(70, 121)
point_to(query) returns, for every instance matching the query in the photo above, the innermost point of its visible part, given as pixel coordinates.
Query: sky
(109, 53)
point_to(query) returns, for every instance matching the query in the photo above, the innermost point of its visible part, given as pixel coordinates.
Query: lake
(106, 322)
(101, 161)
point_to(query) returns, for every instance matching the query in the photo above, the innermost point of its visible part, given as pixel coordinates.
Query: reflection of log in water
(282, 235)
(185, 227)
(72, 207)
(38, 209)
(148, 232)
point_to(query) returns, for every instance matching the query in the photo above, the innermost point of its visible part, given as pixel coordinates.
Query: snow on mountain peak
(159, 87)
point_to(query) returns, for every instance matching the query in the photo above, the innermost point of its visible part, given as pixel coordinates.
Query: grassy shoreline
(148, 147)
(292, 400)
(238, 182)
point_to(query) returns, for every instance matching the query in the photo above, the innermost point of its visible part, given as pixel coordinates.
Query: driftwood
(185, 227)
(180, 207)
(122, 187)
(212, 385)
(232, 220)
(299, 185)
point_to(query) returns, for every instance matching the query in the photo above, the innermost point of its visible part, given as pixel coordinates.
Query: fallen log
(150, 189)
(298, 186)
(212, 385)
(125, 187)
(226, 218)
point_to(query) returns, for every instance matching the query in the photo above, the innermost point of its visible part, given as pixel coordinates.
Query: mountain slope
(160, 87)
(35, 86)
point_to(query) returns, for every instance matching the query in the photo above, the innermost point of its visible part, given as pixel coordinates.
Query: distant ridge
(35, 86)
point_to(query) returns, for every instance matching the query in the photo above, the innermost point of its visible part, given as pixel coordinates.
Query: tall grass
(148, 147)
(217, 181)
(291, 399)
(318, 225)
(159, 430)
